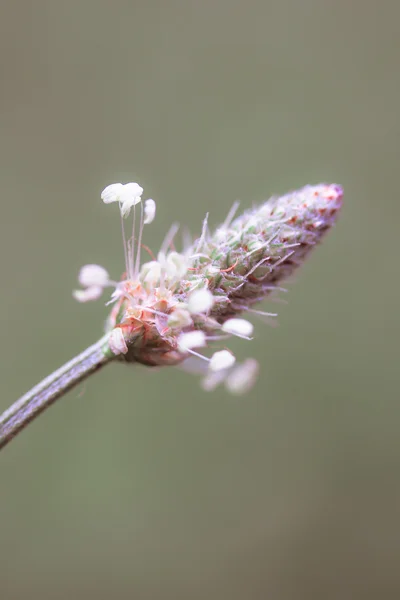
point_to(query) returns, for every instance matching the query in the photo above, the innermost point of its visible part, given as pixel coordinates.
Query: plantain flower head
(181, 308)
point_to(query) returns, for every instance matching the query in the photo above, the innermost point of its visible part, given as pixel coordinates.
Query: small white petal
(91, 293)
(243, 377)
(112, 193)
(221, 360)
(116, 341)
(149, 211)
(239, 327)
(192, 339)
(200, 301)
(93, 275)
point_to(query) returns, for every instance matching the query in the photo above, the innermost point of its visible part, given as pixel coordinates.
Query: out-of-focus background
(138, 484)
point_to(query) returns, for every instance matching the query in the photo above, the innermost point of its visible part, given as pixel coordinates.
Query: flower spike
(166, 309)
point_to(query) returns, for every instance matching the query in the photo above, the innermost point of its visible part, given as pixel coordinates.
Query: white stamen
(91, 293)
(262, 313)
(194, 365)
(243, 377)
(135, 271)
(117, 341)
(265, 317)
(127, 195)
(93, 275)
(111, 193)
(212, 380)
(130, 196)
(200, 301)
(253, 311)
(221, 360)
(192, 339)
(149, 211)
(239, 327)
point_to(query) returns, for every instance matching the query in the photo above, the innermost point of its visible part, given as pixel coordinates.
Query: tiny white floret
(212, 380)
(192, 339)
(117, 341)
(221, 360)
(242, 377)
(91, 293)
(93, 275)
(149, 211)
(200, 301)
(239, 327)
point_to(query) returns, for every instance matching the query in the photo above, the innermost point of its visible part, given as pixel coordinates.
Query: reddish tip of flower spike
(332, 192)
(332, 199)
(323, 200)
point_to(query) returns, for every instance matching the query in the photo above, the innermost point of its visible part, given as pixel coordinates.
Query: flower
(174, 308)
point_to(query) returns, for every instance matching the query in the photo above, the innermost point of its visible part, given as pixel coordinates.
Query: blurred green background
(138, 484)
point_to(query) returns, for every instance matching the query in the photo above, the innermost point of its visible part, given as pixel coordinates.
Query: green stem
(29, 406)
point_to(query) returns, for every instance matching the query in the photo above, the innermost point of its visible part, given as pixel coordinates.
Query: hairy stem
(29, 406)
